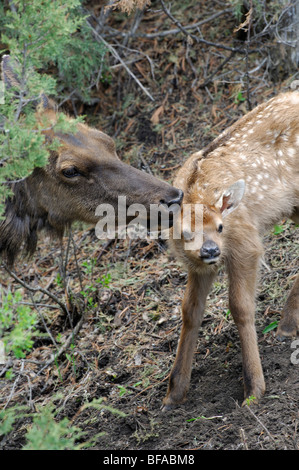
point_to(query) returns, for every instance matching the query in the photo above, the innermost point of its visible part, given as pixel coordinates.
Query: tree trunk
(287, 35)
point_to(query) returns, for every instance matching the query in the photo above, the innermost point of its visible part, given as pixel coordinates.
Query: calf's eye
(220, 228)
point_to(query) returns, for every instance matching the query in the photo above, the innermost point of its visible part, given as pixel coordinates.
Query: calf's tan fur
(246, 180)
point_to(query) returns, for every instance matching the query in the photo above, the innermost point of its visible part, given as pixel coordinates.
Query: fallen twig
(176, 22)
(261, 424)
(191, 37)
(36, 289)
(190, 26)
(117, 56)
(64, 347)
(220, 66)
(14, 385)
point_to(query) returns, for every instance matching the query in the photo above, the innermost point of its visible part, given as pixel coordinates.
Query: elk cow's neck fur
(23, 220)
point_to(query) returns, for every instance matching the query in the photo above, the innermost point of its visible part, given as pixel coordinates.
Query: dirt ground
(124, 349)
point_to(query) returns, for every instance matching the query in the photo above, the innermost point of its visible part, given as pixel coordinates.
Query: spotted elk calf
(246, 180)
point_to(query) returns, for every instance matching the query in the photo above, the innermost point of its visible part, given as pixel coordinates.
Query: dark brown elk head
(83, 173)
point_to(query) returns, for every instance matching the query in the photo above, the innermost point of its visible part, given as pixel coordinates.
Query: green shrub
(46, 432)
(53, 52)
(17, 324)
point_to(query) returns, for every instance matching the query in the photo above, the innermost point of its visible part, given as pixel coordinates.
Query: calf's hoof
(286, 330)
(170, 402)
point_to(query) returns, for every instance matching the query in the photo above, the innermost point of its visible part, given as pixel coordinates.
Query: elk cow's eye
(70, 172)
(220, 228)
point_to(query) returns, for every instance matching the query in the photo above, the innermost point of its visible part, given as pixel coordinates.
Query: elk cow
(245, 181)
(84, 172)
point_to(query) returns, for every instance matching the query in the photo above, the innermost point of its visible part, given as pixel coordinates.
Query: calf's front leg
(197, 289)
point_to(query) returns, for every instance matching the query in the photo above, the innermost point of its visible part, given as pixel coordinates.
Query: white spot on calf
(295, 98)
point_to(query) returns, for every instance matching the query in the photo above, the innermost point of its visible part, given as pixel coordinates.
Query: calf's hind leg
(289, 324)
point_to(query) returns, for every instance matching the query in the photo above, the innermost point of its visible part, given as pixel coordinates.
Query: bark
(287, 34)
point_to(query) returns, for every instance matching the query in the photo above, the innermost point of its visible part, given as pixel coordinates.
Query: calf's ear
(231, 198)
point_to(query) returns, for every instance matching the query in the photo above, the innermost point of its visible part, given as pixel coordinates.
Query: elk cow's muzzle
(173, 199)
(169, 203)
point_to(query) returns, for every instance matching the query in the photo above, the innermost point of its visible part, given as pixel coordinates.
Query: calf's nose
(209, 250)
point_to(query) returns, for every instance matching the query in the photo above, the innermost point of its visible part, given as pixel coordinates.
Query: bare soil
(126, 346)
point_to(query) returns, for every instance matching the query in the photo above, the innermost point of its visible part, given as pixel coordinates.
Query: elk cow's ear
(11, 69)
(45, 107)
(9, 72)
(231, 198)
